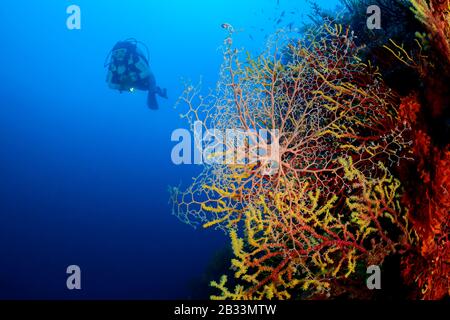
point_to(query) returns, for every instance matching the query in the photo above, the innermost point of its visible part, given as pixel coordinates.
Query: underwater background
(84, 170)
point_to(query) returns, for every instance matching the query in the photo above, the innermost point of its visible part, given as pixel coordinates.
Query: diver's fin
(161, 92)
(152, 103)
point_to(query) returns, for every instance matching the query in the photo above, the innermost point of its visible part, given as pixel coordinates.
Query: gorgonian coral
(303, 222)
(427, 182)
(305, 245)
(435, 15)
(426, 179)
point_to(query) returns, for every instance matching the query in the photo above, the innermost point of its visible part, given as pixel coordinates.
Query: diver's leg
(152, 103)
(161, 92)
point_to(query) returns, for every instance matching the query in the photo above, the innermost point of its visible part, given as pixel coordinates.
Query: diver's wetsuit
(129, 68)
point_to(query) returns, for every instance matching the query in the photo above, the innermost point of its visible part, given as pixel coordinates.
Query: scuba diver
(129, 70)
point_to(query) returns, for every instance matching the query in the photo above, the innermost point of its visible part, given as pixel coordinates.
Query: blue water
(84, 170)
